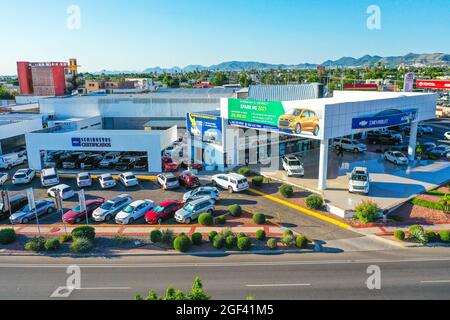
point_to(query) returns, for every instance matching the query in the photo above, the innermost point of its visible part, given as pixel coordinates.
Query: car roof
(61, 186)
(168, 203)
(206, 189)
(235, 175)
(197, 201)
(168, 175)
(106, 175)
(128, 174)
(22, 171)
(119, 197)
(139, 202)
(48, 170)
(360, 170)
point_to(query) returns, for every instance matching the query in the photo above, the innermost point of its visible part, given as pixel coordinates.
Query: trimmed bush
(220, 220)
(230, 242)
(155, 236)
(259, 218)
(52, 244)
(235, 210)
(272, 243)
(301, 242)
(206, 219)
(81, 245)
(444, 235)
(432, 236)
(288, 241)
(86, 232)
(36, 244)
(258, 181)
(242, 235)
(225, 232)
(417, 233)
(286, 191)
(167, 236)
(288, 232)
(260, 234)
(212, 235)
(399, 234)
(182, 243)
(314, 201)
(7, 236)
(367, 211)
(218, 242)
(65, 238)
(197, 238)
(244, 243)
(245, 171)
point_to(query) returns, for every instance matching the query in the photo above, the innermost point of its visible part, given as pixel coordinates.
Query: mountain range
(410, 59)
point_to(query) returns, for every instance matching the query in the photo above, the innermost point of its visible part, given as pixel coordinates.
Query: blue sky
(135, 34)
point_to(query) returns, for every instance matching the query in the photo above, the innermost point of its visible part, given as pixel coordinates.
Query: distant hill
(411, 59)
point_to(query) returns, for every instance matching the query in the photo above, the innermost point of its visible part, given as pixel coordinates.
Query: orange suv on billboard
(299, 121)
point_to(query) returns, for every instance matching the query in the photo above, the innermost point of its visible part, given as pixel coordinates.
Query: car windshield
(294, 112)
(1, 206)
(51, 177)
(130, 177)
(173, 179)
(107, 205)
(20, 175)
(109, 178)
(397, 154)
(77, 209)
(159, 209)
(242, 181)
(294, 163)
(84, 177)
(188, 207)
(359, 177)
(128, 209)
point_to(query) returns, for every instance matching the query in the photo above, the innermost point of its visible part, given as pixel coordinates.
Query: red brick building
(42, 78)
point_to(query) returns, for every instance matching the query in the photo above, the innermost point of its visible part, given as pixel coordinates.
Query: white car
(168, 181)
(84, 180)
(110, 208)
(396, 157)
(447, 135)
(134, 211)
(293, 166)
(128, 179)
(8, 161)
(232, 182)
(359, 181)
(349, 145)
(3, 178)
(23, 176)
(64, 191)
(49, 177)
(107, 181)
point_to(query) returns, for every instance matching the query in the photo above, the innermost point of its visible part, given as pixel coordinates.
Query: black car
(16, 202)
(379, 137)
(91, 161)
(125, 163)
(74, 160)
(407, 131)
(141, 163)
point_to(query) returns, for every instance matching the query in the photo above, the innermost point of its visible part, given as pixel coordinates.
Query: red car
(164, 211)
(169, 165)
(189, 180)
(197, 166)
(76, 216)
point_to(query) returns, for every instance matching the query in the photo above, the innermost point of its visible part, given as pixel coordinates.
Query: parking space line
(303, 210)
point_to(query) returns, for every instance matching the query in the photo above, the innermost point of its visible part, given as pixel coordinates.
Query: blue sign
(384, 119)
(76, 142)
(207, 127)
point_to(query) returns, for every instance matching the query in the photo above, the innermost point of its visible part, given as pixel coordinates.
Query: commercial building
(14, 126)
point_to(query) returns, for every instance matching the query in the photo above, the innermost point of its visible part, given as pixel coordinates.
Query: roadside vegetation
(418, 234)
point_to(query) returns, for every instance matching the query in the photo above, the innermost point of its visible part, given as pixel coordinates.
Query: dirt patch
(413, 214)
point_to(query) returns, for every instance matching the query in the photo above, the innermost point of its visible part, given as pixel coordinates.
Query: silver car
(168, 181)
(192, 210)
(26, 214)
(202, 192)
(109, 209)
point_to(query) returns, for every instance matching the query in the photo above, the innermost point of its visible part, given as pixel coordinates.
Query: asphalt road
(405, 274)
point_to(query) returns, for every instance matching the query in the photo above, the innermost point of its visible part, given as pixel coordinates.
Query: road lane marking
(106, 288)
(279, 285)
(301, 209)
(435, 281)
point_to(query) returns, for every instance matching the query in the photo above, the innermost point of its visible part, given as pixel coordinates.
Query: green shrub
(121, 239)
(314, 201)
(230, 242)
(218, 242)
(7, 236)
(367, 211)
(399, 234)
(241, 235)
(245, 171)
(182, 243)
(212, 235)
(259, 218)
(426, 204)
(52, 244)
(225, 232)
(288, 232)
(444, 235)
(220, 220)
(197, 238)
(272, 243)
(167, 236)
(417, 233)
(260, 234)
(235, 210)
(36, 244)
(65, 238)
(432, 236)
(206, 219)
(81, 245)
(288, 241)
(301, 242)
(244, 243)
(286, 191)
(155, 236)
(258, 181)
(87, 232)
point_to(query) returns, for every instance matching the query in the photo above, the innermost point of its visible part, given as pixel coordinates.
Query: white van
(49, 177)
(8, 161)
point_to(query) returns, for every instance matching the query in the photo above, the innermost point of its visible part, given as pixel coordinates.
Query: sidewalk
(385, 231)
